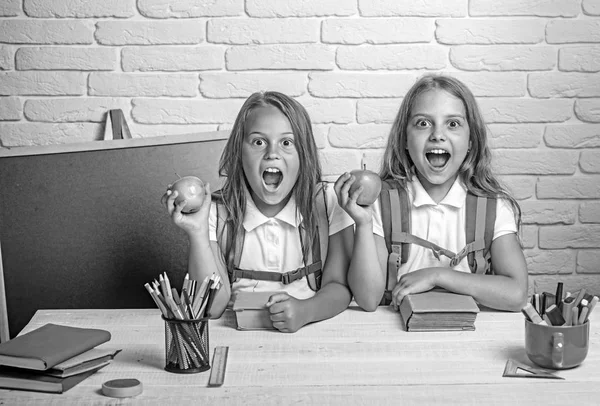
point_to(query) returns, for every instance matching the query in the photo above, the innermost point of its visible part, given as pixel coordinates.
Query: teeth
(437, 151)
(273, 170)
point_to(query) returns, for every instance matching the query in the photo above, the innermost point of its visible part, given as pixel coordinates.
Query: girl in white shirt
(273, 177)
(437, 151)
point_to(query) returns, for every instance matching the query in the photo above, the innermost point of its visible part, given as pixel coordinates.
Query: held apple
(371, 184)
(190, 189)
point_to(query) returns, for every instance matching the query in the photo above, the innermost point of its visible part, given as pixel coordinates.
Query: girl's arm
(205, 256)
(367, 272)
(505, 290)
(334, 295)
(289, 314)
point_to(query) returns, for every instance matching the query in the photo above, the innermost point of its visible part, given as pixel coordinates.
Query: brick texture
(187, 66)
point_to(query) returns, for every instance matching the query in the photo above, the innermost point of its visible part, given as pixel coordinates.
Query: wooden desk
(354, 358)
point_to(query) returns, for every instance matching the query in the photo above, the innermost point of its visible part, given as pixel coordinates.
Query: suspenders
(313, 263)
(395, 213)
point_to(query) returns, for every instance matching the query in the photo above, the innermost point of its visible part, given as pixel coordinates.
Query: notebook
(251, 312)
(24, 379)
(438, 310)
(49, 345)
(83, 362)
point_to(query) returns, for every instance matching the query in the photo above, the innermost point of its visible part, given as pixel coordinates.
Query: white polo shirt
(273, 244)
(442, 224)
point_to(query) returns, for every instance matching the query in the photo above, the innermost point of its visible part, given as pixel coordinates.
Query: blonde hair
(232, 194)
(475, 172)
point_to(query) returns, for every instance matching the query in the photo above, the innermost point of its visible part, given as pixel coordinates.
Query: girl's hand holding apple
(348, 192)
(188, 202)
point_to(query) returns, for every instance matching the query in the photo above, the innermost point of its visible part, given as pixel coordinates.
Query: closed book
(438, 310)
(83, 362)
(251, 312)
(49, 345)
(26, 379)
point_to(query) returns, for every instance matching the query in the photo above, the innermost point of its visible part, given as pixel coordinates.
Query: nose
(272, 151)
(437, 134)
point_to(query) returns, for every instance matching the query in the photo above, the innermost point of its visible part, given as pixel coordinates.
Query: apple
(371, 184)
(190, 189)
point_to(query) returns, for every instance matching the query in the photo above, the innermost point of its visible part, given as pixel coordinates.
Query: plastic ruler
(219, 363)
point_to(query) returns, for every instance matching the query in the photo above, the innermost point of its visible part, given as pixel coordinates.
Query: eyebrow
(261, 133)
(429, 115)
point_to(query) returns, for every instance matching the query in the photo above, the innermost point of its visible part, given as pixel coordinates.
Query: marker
(575, 315)
(554, 315)
(567, 310)
(559, 295)
(579, 297)
(532, 314)
(583, 315)
(591, 306)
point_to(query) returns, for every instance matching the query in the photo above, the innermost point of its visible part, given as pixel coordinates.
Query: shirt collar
(254, 218)
(456, 195)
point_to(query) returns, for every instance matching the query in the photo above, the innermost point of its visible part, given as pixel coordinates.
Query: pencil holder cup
(186, 346)
(557, 347)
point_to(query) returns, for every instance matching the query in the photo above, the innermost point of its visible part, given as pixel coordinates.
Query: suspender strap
(395, 215)
(386, 215)
(405, 238)
(285, 278)
(479, 229)
(321, 241)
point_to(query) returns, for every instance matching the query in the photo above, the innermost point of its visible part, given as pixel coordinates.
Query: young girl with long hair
(258, 233)
(437, 153)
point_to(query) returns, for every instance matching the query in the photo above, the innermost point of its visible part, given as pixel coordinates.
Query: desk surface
(354, 358)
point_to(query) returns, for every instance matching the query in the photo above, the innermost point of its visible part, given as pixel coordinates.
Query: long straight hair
(233, 195)
(475, 172)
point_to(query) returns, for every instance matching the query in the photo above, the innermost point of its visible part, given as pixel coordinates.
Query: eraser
(122, 388)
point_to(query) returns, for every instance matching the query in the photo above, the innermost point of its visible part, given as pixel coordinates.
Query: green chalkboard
(81, 226)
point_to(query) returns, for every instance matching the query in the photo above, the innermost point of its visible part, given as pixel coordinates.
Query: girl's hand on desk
(360, 214)
(414, 282)
(286, 312)
(190, 222)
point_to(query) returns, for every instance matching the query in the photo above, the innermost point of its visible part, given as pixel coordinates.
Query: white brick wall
(186, 66)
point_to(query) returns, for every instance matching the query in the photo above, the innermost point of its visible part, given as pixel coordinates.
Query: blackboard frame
(81, 225)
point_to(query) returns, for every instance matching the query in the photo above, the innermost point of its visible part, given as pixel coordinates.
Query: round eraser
(122, 388)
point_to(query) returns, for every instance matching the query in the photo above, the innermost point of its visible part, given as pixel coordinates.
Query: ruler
(219, 362)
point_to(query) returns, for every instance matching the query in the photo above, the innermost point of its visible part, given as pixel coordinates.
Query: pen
(211, 298)
(537, 304)
(199, 295)
(187, 303)
(163, 285)
(156, 300)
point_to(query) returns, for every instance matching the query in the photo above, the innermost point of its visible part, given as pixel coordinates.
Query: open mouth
(272, 178)
(438, 158)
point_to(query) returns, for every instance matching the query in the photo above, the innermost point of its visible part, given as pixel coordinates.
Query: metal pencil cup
(186, 346)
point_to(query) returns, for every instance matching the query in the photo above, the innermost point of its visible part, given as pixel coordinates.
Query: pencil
(168, 285)
(591, 306)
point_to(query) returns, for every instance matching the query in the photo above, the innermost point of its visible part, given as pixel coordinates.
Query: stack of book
(53, 358)
(251, 312)
(438, 310)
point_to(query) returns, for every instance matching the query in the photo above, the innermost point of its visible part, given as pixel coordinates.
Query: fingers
(207, 198)
(276, 298)
(342, 188)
